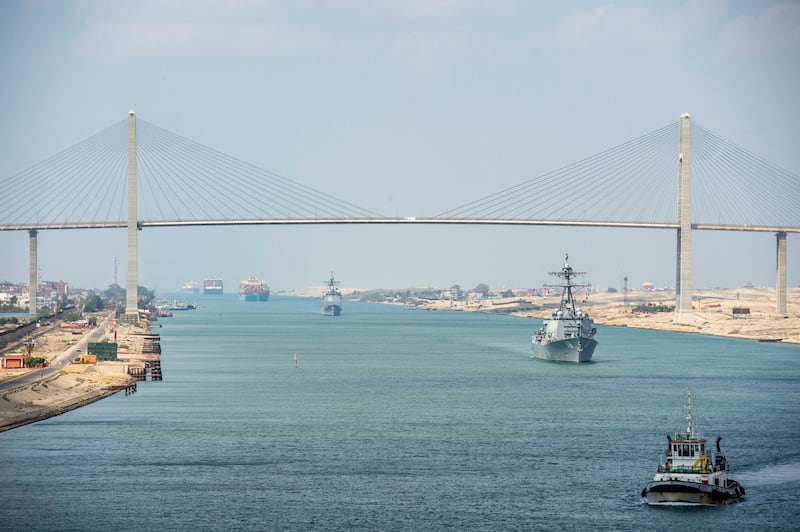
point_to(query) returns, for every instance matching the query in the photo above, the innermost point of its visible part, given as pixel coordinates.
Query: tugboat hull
(675, 492)
(567, 350)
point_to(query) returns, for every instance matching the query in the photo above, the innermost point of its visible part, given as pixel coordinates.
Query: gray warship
(332, 300)
(568, 334)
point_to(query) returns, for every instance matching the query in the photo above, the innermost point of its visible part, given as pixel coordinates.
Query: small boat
(692, 474)
(181, 305)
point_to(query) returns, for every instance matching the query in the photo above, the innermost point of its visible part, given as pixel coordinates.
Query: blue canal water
(405, 420)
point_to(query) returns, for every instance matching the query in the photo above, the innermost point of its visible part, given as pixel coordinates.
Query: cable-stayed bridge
(136, 174)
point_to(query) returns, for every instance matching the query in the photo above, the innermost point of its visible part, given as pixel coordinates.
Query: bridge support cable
(633, 181)
(725, 182)
(178, 180)
(736, 187)
(168, 184)
(193, 192)
(60, 184)
(225, 187)
(87, 201)
(99, 206)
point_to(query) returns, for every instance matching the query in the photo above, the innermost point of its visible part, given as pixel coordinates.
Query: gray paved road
(61, 360)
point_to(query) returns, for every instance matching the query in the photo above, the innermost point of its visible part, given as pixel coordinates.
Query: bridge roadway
(405, 220)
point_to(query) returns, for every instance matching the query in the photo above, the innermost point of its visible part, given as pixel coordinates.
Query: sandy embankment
(72, 386)
(713, 311)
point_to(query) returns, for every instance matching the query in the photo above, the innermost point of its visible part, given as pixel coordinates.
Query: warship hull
(332, 310)
(566, 350)
(677, 493)
(332, 305)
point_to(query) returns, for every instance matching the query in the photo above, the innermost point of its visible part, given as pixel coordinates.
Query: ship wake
(775, 474)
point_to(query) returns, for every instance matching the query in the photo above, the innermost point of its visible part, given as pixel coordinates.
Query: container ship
(190, 288)
(212, 286)
(253, 289)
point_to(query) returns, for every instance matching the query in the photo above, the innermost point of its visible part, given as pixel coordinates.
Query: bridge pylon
(33, 277)
(132, 281)
(780, 283)
(683, 283)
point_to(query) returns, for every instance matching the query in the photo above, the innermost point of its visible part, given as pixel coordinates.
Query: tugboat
(568, 334)
(692, 476)
(332, 300)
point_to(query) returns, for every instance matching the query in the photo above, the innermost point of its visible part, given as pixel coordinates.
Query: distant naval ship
(332, 300)
(568, 334)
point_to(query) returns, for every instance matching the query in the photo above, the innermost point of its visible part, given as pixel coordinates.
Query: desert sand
(71, 386)
(713, 311)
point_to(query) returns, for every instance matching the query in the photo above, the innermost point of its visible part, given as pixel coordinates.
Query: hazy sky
(405, 107)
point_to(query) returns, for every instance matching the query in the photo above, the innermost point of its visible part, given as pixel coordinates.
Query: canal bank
(28, 395)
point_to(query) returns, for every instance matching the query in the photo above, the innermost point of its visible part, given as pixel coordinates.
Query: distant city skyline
(404, 107)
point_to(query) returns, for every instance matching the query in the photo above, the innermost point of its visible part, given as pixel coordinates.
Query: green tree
(482, 288)
(144, 296)
(94, 303)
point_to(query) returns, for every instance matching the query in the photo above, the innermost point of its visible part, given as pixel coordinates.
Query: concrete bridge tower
(780, 284)
(132, 284)
(683, 283)
(33, 277)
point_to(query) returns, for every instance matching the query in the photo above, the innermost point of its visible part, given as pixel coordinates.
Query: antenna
(114, 259)
(625, 291)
